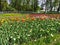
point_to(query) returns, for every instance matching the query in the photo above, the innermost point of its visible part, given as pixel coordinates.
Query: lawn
(22, 29)
(6, 15)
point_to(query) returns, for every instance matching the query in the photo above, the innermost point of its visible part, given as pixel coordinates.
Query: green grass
(12, 14)
(6, 15)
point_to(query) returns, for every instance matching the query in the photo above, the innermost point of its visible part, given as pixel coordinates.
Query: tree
(50, 4)
(3, 4)
(47, 3)
(25, 5)
(58, 7)
(35, 5)
(0, 6)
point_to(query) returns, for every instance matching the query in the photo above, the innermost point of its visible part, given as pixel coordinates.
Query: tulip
(2, 20)
(42, 18)
(23, 20)
(32, 18)
(27, 17)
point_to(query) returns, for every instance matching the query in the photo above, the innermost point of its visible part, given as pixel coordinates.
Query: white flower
(54, 39)
(52, 35)
(18, 36)
(31, 30)
(35, 40)
(15, 32)
(41, 35)
(10, 25)
(14, 39)
(48, 31)
(45, 36)
(11, 37)
(28, 35)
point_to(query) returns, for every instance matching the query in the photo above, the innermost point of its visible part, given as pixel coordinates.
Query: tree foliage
(25, 5)
(29, 5)
(52, 5)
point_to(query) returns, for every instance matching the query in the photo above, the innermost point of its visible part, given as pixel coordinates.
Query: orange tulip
(32, 18)
(23, 20)
(52, 18)
(43, 17)
(27, 17)
(17, 19)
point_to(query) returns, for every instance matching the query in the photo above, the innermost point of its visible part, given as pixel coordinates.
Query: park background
(30, 6)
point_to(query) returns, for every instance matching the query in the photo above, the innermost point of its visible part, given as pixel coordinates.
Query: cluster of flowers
(26, 29)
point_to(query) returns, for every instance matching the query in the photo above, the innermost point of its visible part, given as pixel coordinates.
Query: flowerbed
(45, 15)
(16, 32)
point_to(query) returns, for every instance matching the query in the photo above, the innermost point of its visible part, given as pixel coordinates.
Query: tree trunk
(51, 5)
(0, 6)
(58, 8)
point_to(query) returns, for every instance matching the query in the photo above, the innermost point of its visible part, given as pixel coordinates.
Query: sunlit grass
(7, 15)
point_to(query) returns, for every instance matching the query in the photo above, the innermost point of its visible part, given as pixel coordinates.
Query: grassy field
(7, 15)
(21, 29)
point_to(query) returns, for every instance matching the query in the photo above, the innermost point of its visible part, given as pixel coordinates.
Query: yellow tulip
(2, 20)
